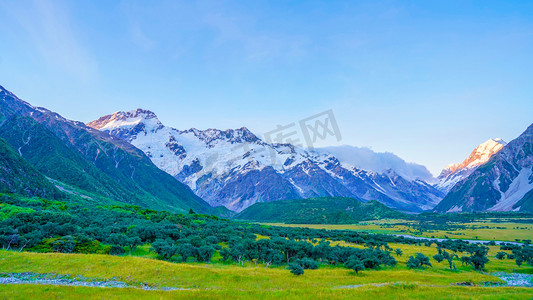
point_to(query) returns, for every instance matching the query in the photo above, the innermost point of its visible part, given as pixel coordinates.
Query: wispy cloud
(48, 26)
(256, 45)
(139, 37)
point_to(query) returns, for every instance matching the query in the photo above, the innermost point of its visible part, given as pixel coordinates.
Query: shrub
(296, 269)
(116, 250)
(398, 252)
(307, 263)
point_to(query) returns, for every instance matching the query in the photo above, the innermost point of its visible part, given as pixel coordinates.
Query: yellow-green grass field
(222, 280)
(481, 230)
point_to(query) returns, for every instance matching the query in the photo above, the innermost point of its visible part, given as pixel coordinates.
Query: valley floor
(488, 230)
(221, 280)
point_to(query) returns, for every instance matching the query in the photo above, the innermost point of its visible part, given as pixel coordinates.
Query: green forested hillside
(72, 153)
(53, 158)
(324, 210)
(18, 176)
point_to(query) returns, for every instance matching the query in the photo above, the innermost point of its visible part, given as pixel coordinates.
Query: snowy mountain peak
(121, 119)
(479, 156)
(240, 135)
(454, 173)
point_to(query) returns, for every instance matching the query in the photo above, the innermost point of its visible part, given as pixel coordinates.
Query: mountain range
(235, 168)
(131, 157)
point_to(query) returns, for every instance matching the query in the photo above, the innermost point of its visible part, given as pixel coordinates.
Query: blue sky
(427, 80)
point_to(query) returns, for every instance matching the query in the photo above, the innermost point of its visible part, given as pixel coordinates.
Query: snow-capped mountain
(503, 183)
(454, 173)
(236, 169)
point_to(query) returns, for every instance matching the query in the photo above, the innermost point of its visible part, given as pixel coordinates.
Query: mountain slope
(326, 210)
(71, 152)
(17, 176)
(456, 172)
(236, 169)
(504, 183)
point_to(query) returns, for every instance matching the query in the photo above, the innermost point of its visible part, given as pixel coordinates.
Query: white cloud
(366, 159)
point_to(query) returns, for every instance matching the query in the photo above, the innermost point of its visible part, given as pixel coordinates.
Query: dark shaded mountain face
(89, 159)
(236, 169)
(504, 183)
(17, 176)
(325, 210)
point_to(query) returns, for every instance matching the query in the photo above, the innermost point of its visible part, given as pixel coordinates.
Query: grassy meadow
(222, 280)
(479, 230)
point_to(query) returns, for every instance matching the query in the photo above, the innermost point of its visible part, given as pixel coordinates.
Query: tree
(133, 243)
(116, 250)
(164, 248)
(501, 255)
(205, 253)
(398, 252)
(371, 262)
(438, 257)
(449, 257)
(478, 256)
(524, 254)
(355, 264)
(307, 263)
(186, 250)
(225, 253)
(296, 269)
(65, 244)
(118, 239)
(418, 261)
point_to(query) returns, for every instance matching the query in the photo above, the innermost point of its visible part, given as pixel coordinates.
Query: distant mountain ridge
(236, 169)
(503, 183)
(454, 173)
(77, 155)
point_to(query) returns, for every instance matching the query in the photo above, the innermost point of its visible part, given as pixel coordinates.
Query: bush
(307, 263)
(116, 250)
(296, 269)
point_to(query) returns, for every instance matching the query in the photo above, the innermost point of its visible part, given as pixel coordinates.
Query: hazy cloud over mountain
(366, 159)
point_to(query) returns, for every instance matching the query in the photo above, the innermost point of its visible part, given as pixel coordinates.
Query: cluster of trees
(53, 226)
(521, 254)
